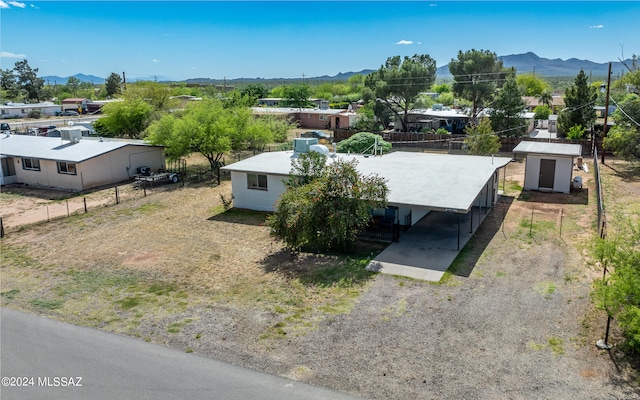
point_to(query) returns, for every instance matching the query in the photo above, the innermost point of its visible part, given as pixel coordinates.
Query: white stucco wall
(562, 177)
(256, 199)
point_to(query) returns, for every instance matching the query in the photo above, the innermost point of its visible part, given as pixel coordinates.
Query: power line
(623, 112)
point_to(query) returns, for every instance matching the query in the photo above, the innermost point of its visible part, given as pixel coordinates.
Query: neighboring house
(22, 110)
(72, 162)
(549, 166)
(419, 120)
(418, 183)
(76, 104)
(531, 102)
(313, 118)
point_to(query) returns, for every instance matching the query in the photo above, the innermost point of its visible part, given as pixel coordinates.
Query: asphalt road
(55, 360)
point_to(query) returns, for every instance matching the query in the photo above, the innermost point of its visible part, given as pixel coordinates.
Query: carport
(448, 195)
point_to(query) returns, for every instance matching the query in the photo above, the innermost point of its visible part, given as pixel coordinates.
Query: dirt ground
(513, 320)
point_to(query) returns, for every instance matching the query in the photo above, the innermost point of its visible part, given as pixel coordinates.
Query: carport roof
(557, 149)
(437, 181)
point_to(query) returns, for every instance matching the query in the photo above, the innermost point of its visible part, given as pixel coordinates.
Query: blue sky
(206, 39)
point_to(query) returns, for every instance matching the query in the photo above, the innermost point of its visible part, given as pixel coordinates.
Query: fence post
(47, 213)
(117, 199)
(84, 199)
(561, 217)
(1, 228)
(531, 224)
(67, 208)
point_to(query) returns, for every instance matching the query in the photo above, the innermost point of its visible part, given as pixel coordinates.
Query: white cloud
(6, 54)
(597, 26)
(17, 4)
(3, 5)
(155, 60)
(405, 42)
(34, 6)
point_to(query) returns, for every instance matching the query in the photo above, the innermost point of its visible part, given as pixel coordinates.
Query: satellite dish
(70, 123)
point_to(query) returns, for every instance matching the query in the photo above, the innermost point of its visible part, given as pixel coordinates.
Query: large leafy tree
(128, 118)
(507, 117)
(398, 82)
(113, 84)
(624, 137)
(254, 91)
(327, 211)
(481, 139)
(208, 128)
(476, 76)
(28, 80)
(73, 84)
(532, 84)
(579, 100)
(296, 95)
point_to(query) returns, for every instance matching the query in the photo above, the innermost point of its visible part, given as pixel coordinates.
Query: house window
(256, 181)
(66, 168)
(323, 117)
(31, 164)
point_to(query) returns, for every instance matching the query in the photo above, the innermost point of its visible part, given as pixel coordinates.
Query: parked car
(69, 113)
(4, 128)
(316, 134)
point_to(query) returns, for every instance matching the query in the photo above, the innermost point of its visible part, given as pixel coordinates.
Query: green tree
(28, 80)
(73, 84)
(579, 100)
(128, 118)
(480, 138)
(546, 98)
(9, 85)
(113, 84)
(619, 293)
(624, 137)
(363, 142)
(575, 132)
(296, 96)
(441, 88)
(255, 91)
(208, 128)
(328, 212)
(532, 84)
(476, 76)
(156, 94)
(507, 114)
(398, 83)
(541, 112)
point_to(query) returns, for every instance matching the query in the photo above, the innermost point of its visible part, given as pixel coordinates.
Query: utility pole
(124, 80)
(606, 113)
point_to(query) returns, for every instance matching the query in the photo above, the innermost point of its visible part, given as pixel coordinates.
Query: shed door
(547, 173)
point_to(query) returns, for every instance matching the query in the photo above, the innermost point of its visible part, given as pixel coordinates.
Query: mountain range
(523, 63)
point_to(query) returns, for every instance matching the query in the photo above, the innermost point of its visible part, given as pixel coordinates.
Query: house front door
(547, 173)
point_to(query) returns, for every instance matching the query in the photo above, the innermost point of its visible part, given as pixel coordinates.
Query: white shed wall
(562, 177)
(255, 199)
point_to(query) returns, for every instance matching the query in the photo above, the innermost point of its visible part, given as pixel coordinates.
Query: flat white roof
(437, 181)
(290, 110)
(557, 149)
(46, 148)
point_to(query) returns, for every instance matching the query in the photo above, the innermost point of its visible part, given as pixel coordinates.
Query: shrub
(363, 142)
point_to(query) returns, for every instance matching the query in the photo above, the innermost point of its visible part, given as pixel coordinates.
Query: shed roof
(437, 181)
(557, 149)
(45, 148)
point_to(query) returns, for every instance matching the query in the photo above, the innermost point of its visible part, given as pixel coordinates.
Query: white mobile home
(22, 110)
(74, 164)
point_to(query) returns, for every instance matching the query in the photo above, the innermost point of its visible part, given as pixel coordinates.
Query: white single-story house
(418, 183)
(549, 166)
(22, 110)
(73, 162)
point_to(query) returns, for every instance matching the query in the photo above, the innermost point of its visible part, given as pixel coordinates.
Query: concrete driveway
(429, 247)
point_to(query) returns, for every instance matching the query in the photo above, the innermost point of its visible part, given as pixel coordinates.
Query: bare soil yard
(511, 319)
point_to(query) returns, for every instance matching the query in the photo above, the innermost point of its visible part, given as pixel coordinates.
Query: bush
(575, 132)
(363, 142)
(35, 114)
